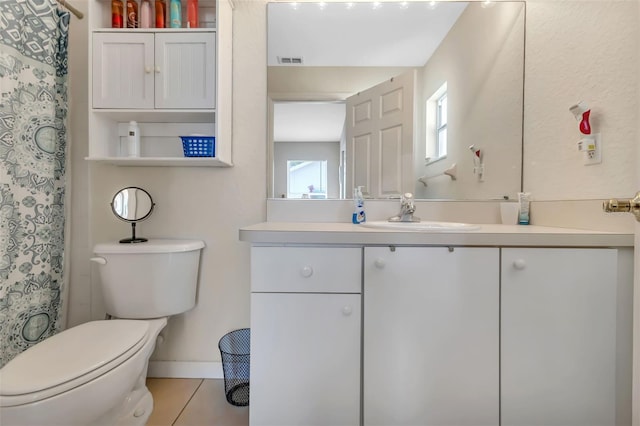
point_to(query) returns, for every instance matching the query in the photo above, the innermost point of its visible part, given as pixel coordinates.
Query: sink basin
(423, 226)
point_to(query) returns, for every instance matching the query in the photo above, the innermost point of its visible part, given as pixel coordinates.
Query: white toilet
(94, 373)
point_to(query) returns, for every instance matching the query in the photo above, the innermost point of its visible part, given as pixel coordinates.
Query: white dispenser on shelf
(133, 135)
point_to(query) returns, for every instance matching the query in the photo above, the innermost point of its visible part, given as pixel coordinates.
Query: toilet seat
(70, 359)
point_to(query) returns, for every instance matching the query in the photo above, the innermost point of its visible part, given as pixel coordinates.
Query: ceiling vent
(290, 60)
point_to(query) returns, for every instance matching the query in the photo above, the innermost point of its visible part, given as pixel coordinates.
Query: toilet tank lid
(151, 246)
(70, 354)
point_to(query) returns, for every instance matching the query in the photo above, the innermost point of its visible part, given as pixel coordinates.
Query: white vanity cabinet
(522, 328)
(154, 69)
(305, 336)
(431, 336)
(559, 354)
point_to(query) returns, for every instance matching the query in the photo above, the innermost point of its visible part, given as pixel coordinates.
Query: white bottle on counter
(133, 145)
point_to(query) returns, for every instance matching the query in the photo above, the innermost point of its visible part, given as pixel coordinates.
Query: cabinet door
(185, 70)
(305, 359)
(431, 336)
(123, 70)
(558, 363)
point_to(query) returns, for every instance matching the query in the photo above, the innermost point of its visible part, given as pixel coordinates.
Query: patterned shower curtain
(33, 111)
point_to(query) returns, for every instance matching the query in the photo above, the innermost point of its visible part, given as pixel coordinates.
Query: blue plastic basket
(198, 146)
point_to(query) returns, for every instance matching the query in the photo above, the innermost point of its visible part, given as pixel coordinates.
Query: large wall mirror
(420, 96)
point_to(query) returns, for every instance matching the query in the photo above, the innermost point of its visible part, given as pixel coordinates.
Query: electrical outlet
(595, 156)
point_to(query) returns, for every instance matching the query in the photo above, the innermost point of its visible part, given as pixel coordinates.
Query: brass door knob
(631, 206)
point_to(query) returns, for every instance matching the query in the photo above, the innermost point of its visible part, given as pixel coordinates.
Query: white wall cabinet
(305, 336)
(154, 70)
(559, 352)
(173, 82)
(431, 336)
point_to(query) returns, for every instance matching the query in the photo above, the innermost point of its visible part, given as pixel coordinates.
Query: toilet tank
(153, 279)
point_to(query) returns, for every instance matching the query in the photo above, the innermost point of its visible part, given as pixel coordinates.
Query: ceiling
(358, 33)
(308, 121)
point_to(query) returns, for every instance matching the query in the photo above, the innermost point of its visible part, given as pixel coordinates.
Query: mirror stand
(133, 238)
(132, 204)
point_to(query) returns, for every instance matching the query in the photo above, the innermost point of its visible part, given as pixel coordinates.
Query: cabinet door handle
(306, 271)
(157, 69)
(347, 310)
(148, 70)
(379, 263)
(519, 264)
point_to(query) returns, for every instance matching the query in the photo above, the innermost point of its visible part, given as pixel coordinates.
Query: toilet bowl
(95, 373)
(90, 374)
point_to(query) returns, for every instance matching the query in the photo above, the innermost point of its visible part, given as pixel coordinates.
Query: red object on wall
(585, 126)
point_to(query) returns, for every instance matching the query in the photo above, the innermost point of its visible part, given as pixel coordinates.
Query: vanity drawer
(306, 269)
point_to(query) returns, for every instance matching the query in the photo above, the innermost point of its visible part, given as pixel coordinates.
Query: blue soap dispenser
(358, 208)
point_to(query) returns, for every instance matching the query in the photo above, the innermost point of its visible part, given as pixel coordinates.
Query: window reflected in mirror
(436, 125)
(307, 179)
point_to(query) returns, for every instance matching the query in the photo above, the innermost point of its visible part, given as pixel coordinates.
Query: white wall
(580, 50)
(78, 304)
(481, 60)
(322, 83)
(212, 204)
(205, 203)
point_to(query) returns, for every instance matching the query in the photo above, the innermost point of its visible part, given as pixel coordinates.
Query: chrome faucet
(407, 208)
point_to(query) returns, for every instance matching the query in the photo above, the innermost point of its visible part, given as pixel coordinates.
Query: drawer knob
(379, 263)
(519, 264)
(306, 271)
(347, 310)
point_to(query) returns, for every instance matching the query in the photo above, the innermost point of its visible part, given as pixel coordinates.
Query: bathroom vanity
(511, 325)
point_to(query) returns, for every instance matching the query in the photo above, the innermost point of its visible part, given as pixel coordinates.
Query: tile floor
(193, 402)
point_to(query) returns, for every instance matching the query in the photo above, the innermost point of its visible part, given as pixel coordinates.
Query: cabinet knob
(347, 310)
(148, 70)
(157, 69)
(519, 264)
(306, 271)
(379, 263)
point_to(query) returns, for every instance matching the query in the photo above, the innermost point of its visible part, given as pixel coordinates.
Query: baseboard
(185, 370)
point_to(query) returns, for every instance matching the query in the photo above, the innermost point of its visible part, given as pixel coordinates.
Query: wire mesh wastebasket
(234, 349)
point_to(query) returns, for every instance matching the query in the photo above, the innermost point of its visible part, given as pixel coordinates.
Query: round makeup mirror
(132, 204)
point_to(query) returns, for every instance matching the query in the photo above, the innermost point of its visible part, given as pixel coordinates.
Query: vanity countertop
(487, 235)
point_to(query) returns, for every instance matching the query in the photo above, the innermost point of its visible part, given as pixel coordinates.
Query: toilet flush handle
(100, 260)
